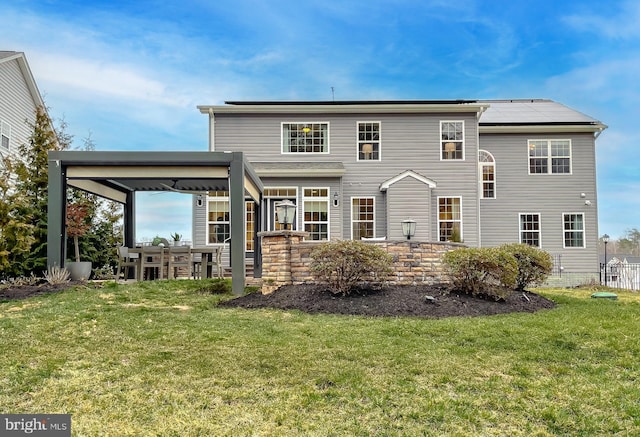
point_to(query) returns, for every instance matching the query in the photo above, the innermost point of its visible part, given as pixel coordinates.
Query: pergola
(117, 176)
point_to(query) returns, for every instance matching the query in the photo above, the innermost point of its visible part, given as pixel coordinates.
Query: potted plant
(176, 238)
(77, 226)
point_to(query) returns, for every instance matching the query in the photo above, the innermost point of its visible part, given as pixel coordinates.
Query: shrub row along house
(483, 172)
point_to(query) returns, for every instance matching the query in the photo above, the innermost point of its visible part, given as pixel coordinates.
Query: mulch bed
(25, 291)
(391, 301)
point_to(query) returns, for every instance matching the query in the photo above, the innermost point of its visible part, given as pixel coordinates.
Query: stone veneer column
(276, 257)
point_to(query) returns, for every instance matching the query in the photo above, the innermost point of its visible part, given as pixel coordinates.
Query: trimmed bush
(534, 265)
(341, 265)
(489, 272)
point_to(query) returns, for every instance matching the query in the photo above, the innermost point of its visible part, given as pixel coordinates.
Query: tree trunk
(77, 247)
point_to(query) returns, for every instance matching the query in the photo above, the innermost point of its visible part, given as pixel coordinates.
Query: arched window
(487, 175)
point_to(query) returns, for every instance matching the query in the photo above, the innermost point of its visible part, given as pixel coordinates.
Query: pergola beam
(111, 175)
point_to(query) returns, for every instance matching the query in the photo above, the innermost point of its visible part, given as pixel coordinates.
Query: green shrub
(490, 272)
(216, 286)
(534, 265)
(341, 265)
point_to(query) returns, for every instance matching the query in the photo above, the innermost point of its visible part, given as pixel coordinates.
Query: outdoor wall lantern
(408, 228)
(286, 211)
(336, 199)
(199, 201)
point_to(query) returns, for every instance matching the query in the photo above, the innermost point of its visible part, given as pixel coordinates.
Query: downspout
(212, 122)
(478, 185)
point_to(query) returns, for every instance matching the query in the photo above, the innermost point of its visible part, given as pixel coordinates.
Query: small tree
(343, 264)
(77, 224)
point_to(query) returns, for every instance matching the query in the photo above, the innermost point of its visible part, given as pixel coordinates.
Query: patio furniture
(204, 259)
(126, 260)
(178, 256)
(152, 262)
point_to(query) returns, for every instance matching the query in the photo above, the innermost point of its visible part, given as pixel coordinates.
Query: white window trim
(207, 221)
(438, 215)
(283, 152)
(549, 157)
(5, 131)
(351, 214)
(481, 175)
(539, 225)
(312, 199)
(358, 141)
(584, 231)
(440, 141)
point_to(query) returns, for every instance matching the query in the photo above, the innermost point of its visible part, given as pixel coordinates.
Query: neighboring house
(621, 271)
(19, 98)
(478, 171)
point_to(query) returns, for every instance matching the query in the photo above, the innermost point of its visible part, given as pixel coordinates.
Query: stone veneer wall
(286, 259)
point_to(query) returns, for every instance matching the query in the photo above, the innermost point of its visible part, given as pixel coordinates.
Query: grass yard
(159, 358)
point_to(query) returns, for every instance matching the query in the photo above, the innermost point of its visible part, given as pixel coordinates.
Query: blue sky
(130, 73)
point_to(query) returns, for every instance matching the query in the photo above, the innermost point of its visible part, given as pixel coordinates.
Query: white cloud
(119, 81)
(623, 25)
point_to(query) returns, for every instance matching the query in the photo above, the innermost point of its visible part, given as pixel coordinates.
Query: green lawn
(162, 359)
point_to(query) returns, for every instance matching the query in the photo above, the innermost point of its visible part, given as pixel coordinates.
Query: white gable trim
(409, 173)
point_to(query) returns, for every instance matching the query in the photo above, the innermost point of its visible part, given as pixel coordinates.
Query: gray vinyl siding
(408, 142)
(409, 191)
(16, 104)
(548, 195)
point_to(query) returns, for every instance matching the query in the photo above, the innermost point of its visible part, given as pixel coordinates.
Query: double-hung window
(218, 225)
(450, 219)
(369, 141)
(250, 232)
(305, 137)
(487, 175)
(452, 140)
(362, 218)
(573, 225)
(5, 135)
(530, 229)
(549, 156)
(315, 207)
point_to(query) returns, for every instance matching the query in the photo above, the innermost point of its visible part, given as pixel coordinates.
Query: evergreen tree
(16, 232)
(32, 182)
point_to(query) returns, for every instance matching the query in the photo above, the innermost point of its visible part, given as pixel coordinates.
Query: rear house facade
(477, 171)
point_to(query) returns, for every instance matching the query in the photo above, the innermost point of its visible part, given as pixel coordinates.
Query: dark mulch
(402, 300)
(25, 291)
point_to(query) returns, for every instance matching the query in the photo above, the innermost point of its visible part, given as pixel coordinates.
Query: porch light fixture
(336, 199)
(286, 211)
(408, 228)
(199, 201)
